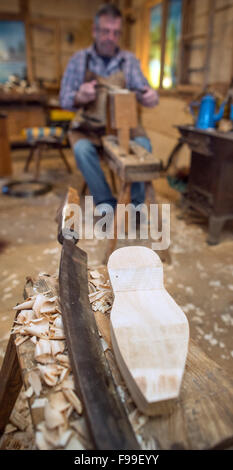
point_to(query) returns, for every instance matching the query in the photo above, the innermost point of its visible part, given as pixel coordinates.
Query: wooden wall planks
(48, 26)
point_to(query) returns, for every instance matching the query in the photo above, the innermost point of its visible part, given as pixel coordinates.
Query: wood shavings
(21, 339)
(49, 373)
(68, 383)
(97, 295)
(74, 400)
(91, 287)
(64, 374)
(58, 323)
(56, 333)
(57, 347)
(29, 392)
(47, 439)
(100, 294)
(18, 420)
(33, 339)
(41, 442)
(10, 428)
(34, 381)
(44, 304)
(39, 319)
(102, 307)
(39, 403)
(58, 401)
(43, 351)
(25, 316)
(28, 304)
(94, 274)
(63, 359)
(53, 417)
(137, 419)
(38, 327)
(39, 301)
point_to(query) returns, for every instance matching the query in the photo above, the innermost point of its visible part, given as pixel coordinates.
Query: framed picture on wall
(13, 59)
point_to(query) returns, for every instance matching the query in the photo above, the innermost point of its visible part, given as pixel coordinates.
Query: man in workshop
(79, 89)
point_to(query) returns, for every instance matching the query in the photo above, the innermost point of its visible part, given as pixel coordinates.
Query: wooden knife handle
(67, 217)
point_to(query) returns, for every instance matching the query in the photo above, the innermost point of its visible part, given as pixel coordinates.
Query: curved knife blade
(106, 416)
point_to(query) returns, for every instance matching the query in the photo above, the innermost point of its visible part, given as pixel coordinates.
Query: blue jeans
(88, 162)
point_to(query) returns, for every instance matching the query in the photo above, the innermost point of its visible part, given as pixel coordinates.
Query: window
(12, 50)
(165, 21)
(173, 34)
(155, 48)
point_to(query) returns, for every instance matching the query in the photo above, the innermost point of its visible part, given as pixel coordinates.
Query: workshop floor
(199, 276)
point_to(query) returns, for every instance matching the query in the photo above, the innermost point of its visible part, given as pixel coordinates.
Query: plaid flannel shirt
(75, 71)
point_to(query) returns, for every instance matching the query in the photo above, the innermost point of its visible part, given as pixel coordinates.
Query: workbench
(210, 188)
(23, 110)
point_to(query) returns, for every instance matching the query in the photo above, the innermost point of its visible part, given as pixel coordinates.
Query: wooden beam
(209, 43)
(58, 50)
(11, 16)
(163, 40)
(193, 37)
(184, 49)
(24, 13)
(224, 7)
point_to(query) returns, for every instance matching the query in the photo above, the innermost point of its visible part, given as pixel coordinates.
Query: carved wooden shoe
(149, 331)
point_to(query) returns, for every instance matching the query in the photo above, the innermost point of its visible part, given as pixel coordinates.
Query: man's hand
(149, 97)
(86, 93)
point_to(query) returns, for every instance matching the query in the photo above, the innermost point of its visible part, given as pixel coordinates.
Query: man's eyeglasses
(106, 32)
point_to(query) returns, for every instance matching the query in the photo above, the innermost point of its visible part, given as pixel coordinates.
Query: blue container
(206, 116)
(231, 112)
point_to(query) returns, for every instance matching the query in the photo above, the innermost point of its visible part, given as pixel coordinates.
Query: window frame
(146, 40)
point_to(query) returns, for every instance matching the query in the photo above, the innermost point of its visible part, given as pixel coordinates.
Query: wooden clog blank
(149, 331)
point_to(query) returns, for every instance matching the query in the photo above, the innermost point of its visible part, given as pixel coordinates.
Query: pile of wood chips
(16, 85)
(56, 410)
